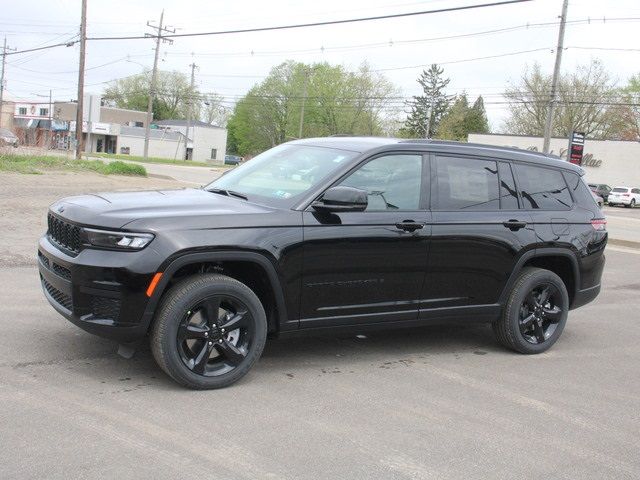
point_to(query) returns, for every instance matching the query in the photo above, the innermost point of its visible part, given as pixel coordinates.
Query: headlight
(117, 240)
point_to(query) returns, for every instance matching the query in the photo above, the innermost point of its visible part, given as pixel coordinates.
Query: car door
(478, 234)
(369, 266)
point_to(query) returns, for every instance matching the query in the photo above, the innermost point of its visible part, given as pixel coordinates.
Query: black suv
(332, 233)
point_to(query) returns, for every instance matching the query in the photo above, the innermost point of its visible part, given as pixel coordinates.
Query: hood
(117, 209)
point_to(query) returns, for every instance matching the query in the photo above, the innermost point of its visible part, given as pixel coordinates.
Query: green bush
(122, 168)
(36, 164)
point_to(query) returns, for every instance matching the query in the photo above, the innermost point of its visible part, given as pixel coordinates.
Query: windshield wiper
(228, 193)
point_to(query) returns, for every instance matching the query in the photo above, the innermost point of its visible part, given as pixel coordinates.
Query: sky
(399, 48)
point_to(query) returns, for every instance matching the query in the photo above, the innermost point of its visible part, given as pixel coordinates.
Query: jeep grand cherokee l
(331, 233)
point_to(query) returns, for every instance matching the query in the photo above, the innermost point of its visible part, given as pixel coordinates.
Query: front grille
(60, 298)
(62, 271)
(106, 308)
(52, 266)
(43, 259)
(64, 234)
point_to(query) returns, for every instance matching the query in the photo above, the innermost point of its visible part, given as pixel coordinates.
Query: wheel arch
(254, 269)
(560, 261)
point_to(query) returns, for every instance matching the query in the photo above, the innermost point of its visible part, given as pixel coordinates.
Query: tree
(461, 119)
(429, 107)
(335, 101)
(582, 103)
(212, 111)
(173, 94)
(630, 113)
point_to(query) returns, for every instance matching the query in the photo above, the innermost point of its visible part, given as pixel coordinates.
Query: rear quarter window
(580, 191)
(543, 188)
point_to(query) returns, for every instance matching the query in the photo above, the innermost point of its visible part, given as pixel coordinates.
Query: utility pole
(4, 57)
(79, 110)
(304, 99)
(189, 109)
(50, 120)
(152, 87)
(556, 76)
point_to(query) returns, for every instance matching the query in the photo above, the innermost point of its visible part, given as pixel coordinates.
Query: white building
(162, 143)
(206, 143)
(605, 161)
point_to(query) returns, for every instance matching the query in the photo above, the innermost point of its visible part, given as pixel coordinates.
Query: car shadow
(282, 354)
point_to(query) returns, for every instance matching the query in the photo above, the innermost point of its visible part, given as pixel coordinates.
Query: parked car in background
(627, 196)
(599, 200)
(232, 160)
(7, 137)
(601, 189)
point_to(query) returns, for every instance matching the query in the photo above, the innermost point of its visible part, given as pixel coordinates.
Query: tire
(189, 340)
(632, 203)
(516, 330)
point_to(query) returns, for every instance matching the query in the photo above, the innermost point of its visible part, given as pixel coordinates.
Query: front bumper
(102, 292)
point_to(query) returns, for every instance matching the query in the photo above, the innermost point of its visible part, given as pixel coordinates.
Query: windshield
(282, 173)
(620, 189)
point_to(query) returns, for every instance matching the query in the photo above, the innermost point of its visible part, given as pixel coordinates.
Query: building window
(44, 112)
(214, 153)
(22, 111)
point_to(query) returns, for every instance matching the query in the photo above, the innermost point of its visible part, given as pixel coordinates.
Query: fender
(174, 265)
(537, 253)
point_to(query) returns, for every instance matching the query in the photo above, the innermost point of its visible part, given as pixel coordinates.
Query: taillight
(625, 195)
(599, 224)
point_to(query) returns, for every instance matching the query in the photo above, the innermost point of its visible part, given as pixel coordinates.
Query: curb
(624, 243)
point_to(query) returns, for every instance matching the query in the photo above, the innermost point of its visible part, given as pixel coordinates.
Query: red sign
(576, 147)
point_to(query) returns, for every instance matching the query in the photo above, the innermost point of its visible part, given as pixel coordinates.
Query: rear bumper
(585, 296)
(619, 200)
(102, 292)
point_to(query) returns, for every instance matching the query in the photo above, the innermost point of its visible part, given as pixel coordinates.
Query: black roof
(367, 144)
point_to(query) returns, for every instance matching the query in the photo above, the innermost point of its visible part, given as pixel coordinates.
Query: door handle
(409, 225)
(514, 224)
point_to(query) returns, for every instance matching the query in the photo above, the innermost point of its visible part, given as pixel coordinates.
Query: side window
(392, 182)
(466, 184)
(579, 190)
(543, 188)
(508, 193)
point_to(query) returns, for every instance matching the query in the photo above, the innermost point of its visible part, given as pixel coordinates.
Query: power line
(389, 43)
(320, 24)
(520, 52)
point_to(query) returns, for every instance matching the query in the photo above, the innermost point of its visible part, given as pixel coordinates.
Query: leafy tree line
(308, 100)
(299, 100)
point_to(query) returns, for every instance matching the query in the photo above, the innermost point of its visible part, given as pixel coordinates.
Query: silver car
(7, 137)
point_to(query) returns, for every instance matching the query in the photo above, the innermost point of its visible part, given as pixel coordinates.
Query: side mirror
(342, 199)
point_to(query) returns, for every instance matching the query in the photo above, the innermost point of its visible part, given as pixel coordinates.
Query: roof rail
(478, 145)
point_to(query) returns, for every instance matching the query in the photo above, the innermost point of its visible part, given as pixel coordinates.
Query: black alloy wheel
(540, 313)
(535, 312)
(208, 331)
(214, 336)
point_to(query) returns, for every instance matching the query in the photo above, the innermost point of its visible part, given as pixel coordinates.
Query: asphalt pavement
(441, 403)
